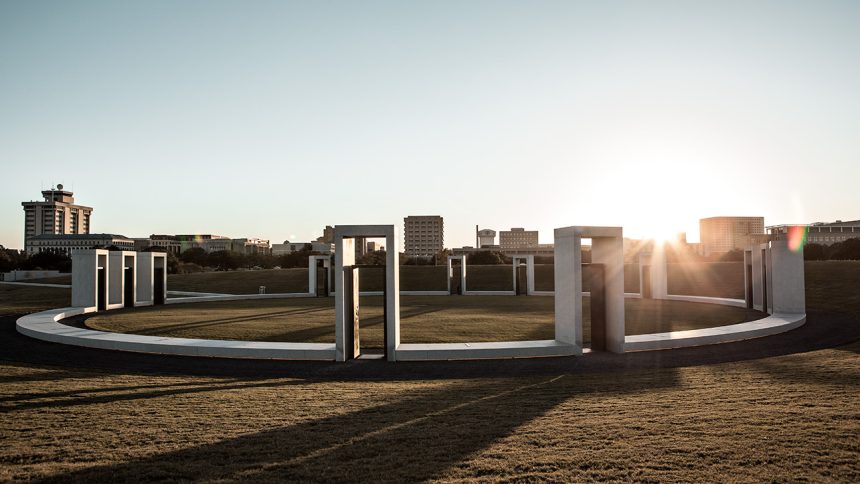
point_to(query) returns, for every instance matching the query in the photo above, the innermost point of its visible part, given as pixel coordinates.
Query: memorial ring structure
(104, 280)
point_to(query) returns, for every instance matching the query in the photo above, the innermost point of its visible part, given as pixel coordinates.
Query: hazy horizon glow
(274, 119)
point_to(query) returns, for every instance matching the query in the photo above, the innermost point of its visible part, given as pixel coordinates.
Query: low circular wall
(46, 326)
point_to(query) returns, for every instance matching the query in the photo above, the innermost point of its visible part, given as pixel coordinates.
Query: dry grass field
(28, 299)
(424, 319)
(792, 418)
(780, 419)
(720, 279)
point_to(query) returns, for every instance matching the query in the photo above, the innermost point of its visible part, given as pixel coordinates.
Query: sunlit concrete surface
(657, 279)
(118, 291)
(45, 326)
(484, 350)
(147, 262)
(725, 301)
(85, 270)
(775, 324)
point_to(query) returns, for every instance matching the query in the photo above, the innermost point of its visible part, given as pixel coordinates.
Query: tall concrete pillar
(609, 251)
(568, 287)
(344, 256)
(788, 285)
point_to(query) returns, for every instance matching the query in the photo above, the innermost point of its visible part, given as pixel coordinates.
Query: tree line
(197, 259)
(847, 250)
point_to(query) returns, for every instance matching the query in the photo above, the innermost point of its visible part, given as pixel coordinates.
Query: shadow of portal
(412, 438)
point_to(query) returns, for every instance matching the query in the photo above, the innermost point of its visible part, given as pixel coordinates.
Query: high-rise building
(423, 235)
(518, 238)
(327, 236)
(723, 234)
(56, 215)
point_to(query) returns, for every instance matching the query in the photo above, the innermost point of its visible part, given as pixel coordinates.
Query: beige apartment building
(423, 235)
(723, 234)
(57, 214)
(518, 238)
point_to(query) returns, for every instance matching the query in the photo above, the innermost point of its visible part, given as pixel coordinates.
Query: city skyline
(531, 237)
(648, 117)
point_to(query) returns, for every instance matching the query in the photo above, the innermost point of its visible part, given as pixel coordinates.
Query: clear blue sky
(273, 119)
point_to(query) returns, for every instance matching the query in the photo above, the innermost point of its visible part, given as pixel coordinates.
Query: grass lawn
(424, 319)
(791, 418)
(719, 279)
(16, 299)
(241, 282)
(412, 278)
(66, 279)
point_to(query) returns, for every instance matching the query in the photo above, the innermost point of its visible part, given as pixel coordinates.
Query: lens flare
(797, 237)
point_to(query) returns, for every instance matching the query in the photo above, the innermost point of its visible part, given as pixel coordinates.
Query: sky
(274, 119)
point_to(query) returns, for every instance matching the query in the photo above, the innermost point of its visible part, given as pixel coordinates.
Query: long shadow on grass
(317, 332)
(18, 397)
(162, 391)
(160, 330)
(404, 314)
(53, 375)
(407, 440)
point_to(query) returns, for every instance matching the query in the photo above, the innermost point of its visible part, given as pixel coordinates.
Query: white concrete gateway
(529, 288)
(314, 262)
(103, 280)
(461, 290)
(347, 291)
(607, 257)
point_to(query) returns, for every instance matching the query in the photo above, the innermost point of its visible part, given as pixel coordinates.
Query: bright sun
(662, 233)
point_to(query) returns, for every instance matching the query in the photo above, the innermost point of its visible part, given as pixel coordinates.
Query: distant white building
(167, 242)
(68, 243)
(822, 233)
(249, 246)
(207, 242)
(486, 238)
(289, 247)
